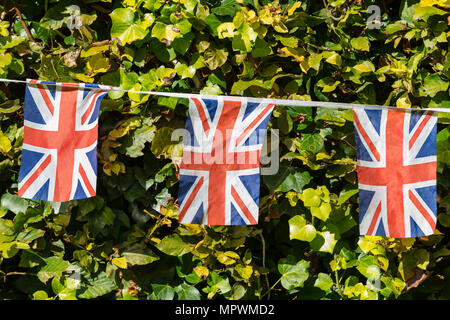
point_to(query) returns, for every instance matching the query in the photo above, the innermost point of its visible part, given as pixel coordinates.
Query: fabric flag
(219, 171)
(396, 152)
(59, 155)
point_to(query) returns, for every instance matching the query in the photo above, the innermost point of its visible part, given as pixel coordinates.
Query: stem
(24, 25)
(264, 262)
(338, 285)
(268, 291)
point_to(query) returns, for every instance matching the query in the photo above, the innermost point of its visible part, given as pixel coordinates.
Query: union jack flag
(59, 154)
(396, 152)
(219, 171)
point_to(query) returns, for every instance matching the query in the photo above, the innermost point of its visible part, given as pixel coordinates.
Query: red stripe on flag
(366, 138)
(190, 199)
(89, 110)
(242, 205)
(374, 220)
(422, 210)
(86, 181)
(46, 98)
(419, 130)
(202, 114)
(253, 123)
(34, 176)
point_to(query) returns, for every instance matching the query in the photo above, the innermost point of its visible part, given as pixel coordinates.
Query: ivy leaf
(165, 33)
(226, 8)
(322, 212)
(187, 292)
(293, 274)
(311, 197)
(124, 26)
(295, 181)
(215, 58)
(323, 281)
(298, 229)
(432, 85)
(324, 242)
(162, 292)
(120, 262)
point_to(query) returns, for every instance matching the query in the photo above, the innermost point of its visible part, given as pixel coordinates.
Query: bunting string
(278, 102)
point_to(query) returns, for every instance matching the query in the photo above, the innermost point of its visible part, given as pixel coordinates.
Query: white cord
(279, 102)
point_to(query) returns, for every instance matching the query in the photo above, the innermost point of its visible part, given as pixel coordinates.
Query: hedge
(126, 243)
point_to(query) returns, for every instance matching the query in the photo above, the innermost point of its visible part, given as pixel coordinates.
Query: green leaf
(97, 286)
(215, 58)
(432, 85)
(162, 292)
(323, 281)
(311, 197)
(261, 49)
(298, 229)
(295, 181)
(174, 245)
(425, 12)
(187, 292)
(13, 203)
(322, 212)
(124, 26)
(368, 267)
(137, 256)
(5, 144)
(293, 273)
(228, 257)
(366, 66)
(54, 267)
(312, 142)
(360, 43)
(165, 33)
(227, 8)
(40, 295)
(324, 242)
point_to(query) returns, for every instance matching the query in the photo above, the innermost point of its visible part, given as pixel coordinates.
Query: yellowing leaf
(360, 43)
(93, 50)
(228, 257)
(97, 63)
(403, 101)
(321, 212)
(5, 144)
(5, 59)
(82, 77)
(226, 30)
(335, 59)
(124, 26)
(366, 66)
(244, 271)
(201, 271)
(294, 7)
(165, 33)
(120, 262)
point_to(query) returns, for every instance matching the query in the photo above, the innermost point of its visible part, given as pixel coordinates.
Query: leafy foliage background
(126, 243)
